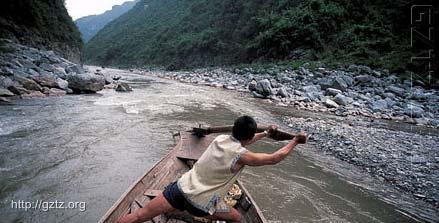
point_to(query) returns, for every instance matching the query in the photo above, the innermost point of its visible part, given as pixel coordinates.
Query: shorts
(176, 198)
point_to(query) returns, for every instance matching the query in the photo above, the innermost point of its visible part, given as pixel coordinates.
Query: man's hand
(301, 138)
(271, 130)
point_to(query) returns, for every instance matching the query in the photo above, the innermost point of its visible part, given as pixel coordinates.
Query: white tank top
(206, 184)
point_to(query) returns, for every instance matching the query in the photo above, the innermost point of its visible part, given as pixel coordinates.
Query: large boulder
(46, 80)
(74, 69)
(414, 111)
(263, 87)
(330, 103)
(342, 100)
(379, 105)
(251, 85)
(335, 82)
(28, 83)
(5, 93)
(123, 87)
(86, 82)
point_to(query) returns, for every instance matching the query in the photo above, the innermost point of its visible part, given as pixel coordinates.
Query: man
(201, 190)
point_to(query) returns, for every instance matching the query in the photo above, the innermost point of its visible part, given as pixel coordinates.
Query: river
(91, 148)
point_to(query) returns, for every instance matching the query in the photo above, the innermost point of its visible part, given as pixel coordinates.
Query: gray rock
(86, 82)
(263, 87)
(4, 100)
(18, 90)
(256, 95)
(28, 83)
(274, 83)
(123, 87)
(56, 92)
(311, 88)
(62, 84)
(47, 67)
(5, 93)
(396, 90)
(342, 100)
(6, 82)
(75, 69)
(282, 93)
(332, 91)
(60, 72)
(335, 82)
(363, 79)
(46, 80)
(379, 105)
(330, 103)
(252, 85)
(414, 111)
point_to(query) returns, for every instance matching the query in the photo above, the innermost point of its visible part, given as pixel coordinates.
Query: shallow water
(91, 148)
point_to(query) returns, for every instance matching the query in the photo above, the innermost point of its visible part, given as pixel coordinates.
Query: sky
(81, 8)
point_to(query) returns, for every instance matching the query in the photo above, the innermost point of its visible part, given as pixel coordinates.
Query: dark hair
(244, 128)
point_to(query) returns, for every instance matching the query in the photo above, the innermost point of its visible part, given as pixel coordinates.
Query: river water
(91, 148)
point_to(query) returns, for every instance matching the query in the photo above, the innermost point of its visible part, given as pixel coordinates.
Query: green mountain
(90, 25)
(188, 33)
(42, 24)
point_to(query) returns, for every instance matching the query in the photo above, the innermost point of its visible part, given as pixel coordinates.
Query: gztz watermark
(422, 40)
(47, 205)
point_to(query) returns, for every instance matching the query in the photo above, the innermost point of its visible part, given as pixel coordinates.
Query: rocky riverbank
(26, 72)
(406, 161)
(349, 91)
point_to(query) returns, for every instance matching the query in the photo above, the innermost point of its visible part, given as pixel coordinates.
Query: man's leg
(233, 215)
(157, 206)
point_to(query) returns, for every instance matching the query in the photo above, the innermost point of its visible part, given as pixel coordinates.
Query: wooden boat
(178, 161)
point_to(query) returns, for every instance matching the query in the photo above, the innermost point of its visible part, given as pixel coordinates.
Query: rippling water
(90, 148)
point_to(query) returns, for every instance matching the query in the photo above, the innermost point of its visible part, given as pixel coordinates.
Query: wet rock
(5, 93)
(123, 87)
(56, 92)
(18, 90)
(4, 100)
(86, 82)
(33, 94)
(28, 83)
(263, 87)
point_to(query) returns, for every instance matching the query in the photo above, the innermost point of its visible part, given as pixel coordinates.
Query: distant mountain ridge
(200, 33)
(89, 26)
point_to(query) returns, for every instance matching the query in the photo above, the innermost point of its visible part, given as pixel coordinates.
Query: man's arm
(261, 135)
(261, 159)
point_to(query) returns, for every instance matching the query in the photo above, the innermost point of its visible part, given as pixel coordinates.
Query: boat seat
(152, 193)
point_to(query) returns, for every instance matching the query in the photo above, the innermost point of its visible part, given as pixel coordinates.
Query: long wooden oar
(277, 135)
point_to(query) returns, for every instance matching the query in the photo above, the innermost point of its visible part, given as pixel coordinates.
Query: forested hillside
(187, 33)
(42, 24)
(90, 25)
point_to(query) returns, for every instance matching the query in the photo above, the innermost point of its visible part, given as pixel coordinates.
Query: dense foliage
(40, 23)
(187, 33)
(90, 25)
